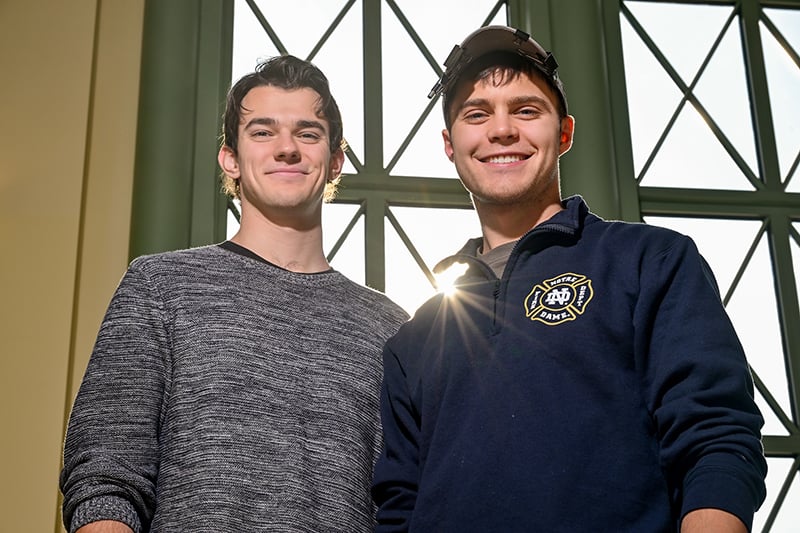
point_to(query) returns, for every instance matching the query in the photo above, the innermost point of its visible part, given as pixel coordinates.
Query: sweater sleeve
(699, 387)
(396, 476)
(111, 447)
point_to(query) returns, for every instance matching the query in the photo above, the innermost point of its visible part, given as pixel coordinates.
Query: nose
(502, 129)
(286, 149)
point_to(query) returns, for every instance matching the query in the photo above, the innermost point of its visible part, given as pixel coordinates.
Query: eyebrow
(517, 100)
(260, 121)
(300, 124)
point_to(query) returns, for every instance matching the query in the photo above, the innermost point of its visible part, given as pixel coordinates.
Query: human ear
(567, 134)
(337, 164)
(448, 144)
(228, 162)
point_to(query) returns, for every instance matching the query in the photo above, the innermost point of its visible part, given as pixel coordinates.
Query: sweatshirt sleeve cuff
(105, 508)
(716, 489)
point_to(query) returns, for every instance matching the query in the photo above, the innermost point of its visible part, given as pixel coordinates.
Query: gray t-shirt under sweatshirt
(227, 394)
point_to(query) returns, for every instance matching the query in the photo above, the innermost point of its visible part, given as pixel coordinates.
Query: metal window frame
(186, 69)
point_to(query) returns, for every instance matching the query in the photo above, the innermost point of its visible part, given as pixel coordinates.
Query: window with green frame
(711, 114)
(715, 144)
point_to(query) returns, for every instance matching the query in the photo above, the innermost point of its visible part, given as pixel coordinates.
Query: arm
(111, 446)
(105, 526)
(711, 521)
(700, 391)
(394, 488)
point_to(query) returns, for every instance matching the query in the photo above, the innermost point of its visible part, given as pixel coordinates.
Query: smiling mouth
(504, 159)
(286, 172)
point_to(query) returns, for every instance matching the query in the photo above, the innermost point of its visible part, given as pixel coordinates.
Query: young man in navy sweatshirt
(584, 376)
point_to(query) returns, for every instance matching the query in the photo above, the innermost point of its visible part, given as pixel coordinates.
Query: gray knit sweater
(227, 394)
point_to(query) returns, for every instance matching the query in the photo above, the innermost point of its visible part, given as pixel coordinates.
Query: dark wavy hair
(500, 68)
(285, 72)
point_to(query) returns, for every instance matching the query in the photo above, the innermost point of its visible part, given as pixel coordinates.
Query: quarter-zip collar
(566, 223)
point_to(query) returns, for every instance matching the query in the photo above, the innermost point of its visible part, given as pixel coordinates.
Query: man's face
(284, 158)
(505, 141)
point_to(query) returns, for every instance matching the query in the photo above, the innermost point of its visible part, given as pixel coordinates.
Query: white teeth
(504, 159)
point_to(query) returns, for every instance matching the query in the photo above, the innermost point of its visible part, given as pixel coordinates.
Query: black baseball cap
(492, 39)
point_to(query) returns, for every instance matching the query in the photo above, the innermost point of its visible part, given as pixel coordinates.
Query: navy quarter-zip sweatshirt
(597, 386)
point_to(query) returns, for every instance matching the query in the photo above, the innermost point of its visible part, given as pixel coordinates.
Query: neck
(286, 243)
(501, 224)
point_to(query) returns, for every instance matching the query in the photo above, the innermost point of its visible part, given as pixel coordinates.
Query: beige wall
(68, 104)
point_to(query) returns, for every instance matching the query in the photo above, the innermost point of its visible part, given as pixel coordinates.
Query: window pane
(435, 234)
(795, 247)
(692, 155)
(722, 90)
(685, 49)
(783, 77)
(408, 77)
(340, 57)
(778, 470)
(349, 259)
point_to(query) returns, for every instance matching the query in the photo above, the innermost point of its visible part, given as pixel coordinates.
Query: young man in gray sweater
(235, 387)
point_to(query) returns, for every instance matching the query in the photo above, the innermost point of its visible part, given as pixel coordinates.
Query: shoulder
(210, 261)
(657, 253)
(636, 236)
(368, 300)
(194, 269)
(189, 257)
(420, 324)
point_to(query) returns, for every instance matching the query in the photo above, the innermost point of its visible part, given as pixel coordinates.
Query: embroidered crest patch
(560, 299)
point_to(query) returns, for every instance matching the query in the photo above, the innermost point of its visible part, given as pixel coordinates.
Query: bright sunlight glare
(445, 281)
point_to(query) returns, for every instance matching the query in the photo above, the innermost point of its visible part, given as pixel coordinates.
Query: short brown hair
(285, 72)
(503, 67)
